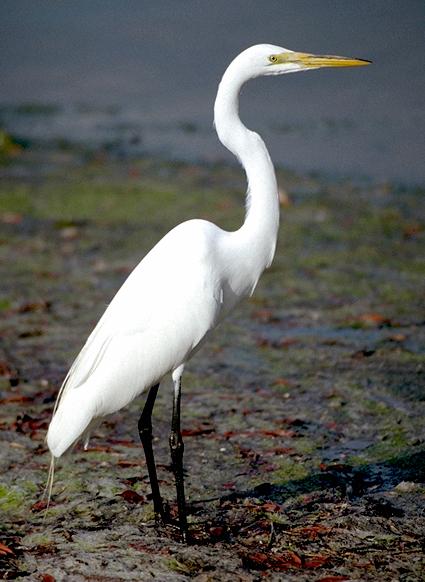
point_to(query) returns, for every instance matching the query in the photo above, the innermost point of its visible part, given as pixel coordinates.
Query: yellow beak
(315, 61)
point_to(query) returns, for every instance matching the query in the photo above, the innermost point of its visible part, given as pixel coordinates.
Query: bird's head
(268, 59)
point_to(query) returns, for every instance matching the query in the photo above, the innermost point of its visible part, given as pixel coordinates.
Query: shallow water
(142, 78)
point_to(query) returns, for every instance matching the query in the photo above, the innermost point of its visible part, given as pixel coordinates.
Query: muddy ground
(302, 416)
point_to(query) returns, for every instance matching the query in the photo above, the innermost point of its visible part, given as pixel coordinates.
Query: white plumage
(183, 287)
(181, 294)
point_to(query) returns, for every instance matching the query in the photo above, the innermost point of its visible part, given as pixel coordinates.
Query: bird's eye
(273, 58)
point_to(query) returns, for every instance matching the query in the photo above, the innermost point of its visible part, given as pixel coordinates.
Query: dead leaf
(282, 382)
(217, 531)
(127, 463)
(197, 431)
(35, 307)
(41, 505)
(270, 506)
(16, 398)
(262, 561)
(374, 320)
(27, 424)
(4, 550)
(47, 578)
(316, 561)
(278, 432)
(132, 496)
(333, 579)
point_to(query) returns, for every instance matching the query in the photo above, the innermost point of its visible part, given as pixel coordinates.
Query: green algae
(289, 470)
(11, 499)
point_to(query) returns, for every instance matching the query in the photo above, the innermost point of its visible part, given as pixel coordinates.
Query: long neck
(259, 231)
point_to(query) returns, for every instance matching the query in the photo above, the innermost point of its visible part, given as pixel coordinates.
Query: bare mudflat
(302, 416)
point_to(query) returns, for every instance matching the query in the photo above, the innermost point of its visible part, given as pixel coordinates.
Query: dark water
(142, 76)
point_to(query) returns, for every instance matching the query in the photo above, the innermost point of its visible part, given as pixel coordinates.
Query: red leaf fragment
(316, 561)
(35, 307)
(47, 578)
(229, 485)
(197, 431)
(4, 550)
(262, 561)
(27, 424)
(127, 463)
(333, 579)
(278, 432)
(41, 505)
(216, 531)
(374, 319)
(16, 398)
(282, 382)
(270, 506)
(132, 496)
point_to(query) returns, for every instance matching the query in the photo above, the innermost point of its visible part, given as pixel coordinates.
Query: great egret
(181, 289)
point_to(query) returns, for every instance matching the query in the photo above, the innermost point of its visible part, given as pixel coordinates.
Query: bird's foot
(166, 519)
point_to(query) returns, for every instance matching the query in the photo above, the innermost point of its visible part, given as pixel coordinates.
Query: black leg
(145, 433)
(177, 448)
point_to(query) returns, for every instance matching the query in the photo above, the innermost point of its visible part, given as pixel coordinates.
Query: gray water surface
(143, 76)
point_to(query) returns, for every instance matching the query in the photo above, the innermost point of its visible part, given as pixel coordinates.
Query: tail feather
(47, 493)
(70, 421)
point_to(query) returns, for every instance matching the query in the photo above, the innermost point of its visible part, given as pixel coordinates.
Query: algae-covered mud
(302, 416)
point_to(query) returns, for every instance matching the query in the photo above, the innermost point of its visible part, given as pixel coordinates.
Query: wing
(155, 321)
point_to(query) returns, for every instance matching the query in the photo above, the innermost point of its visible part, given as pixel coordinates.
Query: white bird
(182, 288)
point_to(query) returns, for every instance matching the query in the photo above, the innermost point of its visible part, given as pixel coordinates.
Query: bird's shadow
(351, 482)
